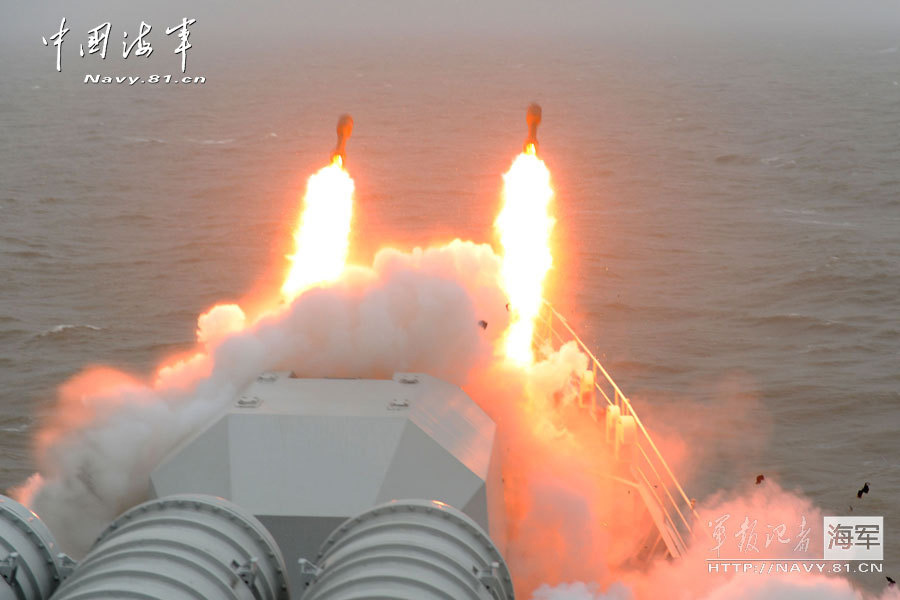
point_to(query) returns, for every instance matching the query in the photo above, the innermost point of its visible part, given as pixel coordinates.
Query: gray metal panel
(477, 508)
(310, 465)
(202, 468)
(496, 501)
(299, 537)
(453, 420)
(422, 468)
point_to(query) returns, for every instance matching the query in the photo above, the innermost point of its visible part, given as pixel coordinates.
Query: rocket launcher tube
(419, 549)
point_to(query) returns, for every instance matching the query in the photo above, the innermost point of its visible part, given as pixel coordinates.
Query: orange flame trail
(322, 237)
(524, 226)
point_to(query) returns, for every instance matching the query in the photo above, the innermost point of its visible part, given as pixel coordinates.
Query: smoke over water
(573, 531)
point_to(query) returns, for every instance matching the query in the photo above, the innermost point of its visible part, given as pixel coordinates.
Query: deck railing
(675, 516)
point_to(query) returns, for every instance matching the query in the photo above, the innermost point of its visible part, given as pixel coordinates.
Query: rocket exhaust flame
(321, 239)
(523, 227)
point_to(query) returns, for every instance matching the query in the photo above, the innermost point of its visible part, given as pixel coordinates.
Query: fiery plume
(322, 237)
(523, 227)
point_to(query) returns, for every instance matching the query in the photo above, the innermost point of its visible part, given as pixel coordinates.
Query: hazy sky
(348, 19)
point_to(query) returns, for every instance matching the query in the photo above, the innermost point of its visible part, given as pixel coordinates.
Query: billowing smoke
(415, 311)
(569, 537)
(813, 587)
(572, 532)
(689, 578)
(582, 591)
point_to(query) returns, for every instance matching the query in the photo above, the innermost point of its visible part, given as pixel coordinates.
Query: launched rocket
(533, 118)
(344, 129)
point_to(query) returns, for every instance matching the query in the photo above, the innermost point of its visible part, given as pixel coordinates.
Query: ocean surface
(728, 220)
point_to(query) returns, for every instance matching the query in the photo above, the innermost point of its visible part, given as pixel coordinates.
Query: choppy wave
(801, 322)
(145, 140)
(778, 162)
(211, 142)
(67, 327)
(26, 254)
(20, 427)
(736, 159)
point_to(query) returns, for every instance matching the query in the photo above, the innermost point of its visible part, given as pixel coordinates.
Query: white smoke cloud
(582, 591)
(749, 587)
(410, 312)
(219, 322)
(788, 587)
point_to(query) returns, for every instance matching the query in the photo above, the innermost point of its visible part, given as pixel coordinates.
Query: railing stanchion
(674, 520)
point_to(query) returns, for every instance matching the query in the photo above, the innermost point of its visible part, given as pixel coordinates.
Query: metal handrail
(620, 400)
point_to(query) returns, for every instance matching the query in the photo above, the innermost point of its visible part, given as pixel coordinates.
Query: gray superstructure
(327, 488)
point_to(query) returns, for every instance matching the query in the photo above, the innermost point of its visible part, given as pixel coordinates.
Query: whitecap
(68, 326)
(144, 140)
(211, 142)
(14, 428)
